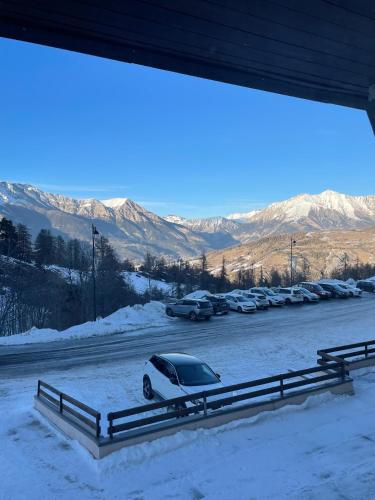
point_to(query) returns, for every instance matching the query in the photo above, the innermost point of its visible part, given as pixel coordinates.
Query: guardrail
(201, 403)
(70, 410)
(361, 351)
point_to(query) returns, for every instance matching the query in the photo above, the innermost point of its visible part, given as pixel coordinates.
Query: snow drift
(124, 320)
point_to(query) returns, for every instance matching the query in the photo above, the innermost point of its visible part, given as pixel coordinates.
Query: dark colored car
(366, 285)
(316, 288)
(335, 290)
(219, 305)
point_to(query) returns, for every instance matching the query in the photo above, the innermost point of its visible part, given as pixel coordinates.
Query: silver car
(193, 309)
(259, 298)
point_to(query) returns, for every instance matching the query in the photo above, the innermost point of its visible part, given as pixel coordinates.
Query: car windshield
(196, 374)
(270, 293)
(242, 299)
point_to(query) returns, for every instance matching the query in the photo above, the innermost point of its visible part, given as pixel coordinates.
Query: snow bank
(124, 320)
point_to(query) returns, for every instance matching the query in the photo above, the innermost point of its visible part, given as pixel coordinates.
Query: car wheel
(207, 318)
(169, 312)
(239, 309)
(148, 393)
(193, 316)
(288, 301)
(269, 303)
(226, 312)
(305, 299)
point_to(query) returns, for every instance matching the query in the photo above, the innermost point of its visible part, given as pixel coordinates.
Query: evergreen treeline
(32, 294)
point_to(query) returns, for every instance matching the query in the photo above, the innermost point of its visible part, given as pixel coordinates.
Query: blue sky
(89, 127)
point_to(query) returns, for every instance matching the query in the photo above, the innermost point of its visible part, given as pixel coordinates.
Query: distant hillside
(321, 251)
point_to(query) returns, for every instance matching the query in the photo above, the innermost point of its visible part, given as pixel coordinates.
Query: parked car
(366, 285)
(353, 290)
(307, 295)
(193, 309)
(290, 295)
(174, 374)
(336, 290)
(259, 298)
(219, 304)
(316, 288)
(274, 299)
(240, 304)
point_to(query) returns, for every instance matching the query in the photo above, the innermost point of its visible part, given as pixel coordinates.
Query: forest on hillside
(33, 294)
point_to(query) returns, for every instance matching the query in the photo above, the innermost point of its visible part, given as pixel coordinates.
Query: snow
(198, 294)
(141, 283)
(322, 449)
(65, 273)
(127, 319)
(114, 202)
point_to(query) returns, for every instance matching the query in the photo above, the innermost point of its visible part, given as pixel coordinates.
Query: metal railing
(336, 354)
(201, 403)
(48, 393)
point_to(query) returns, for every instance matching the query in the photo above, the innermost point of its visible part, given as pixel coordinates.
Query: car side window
(166, 368)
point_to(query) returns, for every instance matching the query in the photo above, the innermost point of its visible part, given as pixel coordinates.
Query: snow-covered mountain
(306, 212)
(206, 225)
(131, 229)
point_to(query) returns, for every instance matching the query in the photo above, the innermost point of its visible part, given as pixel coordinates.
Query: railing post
(38, 388)
(110, 420)
(61, 402)
(205, 405)
(97, 424)
(366, 353)
(281, 387)
(343, 374)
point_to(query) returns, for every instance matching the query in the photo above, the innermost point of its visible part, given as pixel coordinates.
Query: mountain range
(133, 230)
(319, 251)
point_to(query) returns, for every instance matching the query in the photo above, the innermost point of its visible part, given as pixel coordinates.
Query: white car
(172, 375)
(274, 299)
(353, 290)
(239, 303)
(290, 295)
(307, 295)
(259, 298)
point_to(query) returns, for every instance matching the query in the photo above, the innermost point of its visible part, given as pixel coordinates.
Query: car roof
(195, 300)
(179, 358)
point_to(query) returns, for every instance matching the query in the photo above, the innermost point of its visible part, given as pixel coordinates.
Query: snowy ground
(142, 284)
(321, 450)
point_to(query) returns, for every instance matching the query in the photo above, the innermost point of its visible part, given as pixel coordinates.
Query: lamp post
(292, 243)
(94, 233)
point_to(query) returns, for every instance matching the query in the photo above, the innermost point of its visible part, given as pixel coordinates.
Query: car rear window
(204, 305)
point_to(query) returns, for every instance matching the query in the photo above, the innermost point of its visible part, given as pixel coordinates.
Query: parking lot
(329, 322)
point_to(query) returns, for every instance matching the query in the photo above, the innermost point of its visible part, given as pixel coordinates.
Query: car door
(179, 308)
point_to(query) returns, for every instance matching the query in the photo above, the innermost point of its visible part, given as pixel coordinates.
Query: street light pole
(94, 233)
(292, 243)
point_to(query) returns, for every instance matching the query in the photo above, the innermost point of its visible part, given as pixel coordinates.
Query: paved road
(180, 336)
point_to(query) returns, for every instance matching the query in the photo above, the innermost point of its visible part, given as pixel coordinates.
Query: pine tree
(44, 248)
(61, 252)
(222, 283)
(8, 237)
(24, 250)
